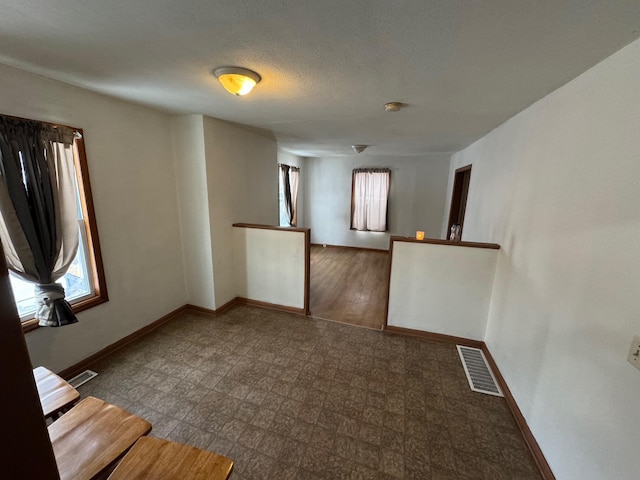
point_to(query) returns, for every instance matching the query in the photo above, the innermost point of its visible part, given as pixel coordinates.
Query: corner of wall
(188, 144)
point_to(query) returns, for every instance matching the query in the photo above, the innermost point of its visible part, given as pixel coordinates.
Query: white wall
(193, 200)
(134, 192)
(416, 198)
(558, 188)
(270, 265)
(242, 185)
(296, 161)
(441, 288)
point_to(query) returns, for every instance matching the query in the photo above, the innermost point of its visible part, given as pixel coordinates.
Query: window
(288, 179)
(369, 197)
(84, 280)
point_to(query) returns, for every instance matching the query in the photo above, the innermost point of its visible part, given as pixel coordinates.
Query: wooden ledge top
(156, 458)
(271, 227)
(436, 241)
(91, 436)
(54, 392)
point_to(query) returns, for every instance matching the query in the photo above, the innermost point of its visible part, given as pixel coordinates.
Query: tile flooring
(289, 397)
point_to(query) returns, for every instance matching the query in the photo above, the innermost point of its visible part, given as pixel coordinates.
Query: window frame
(90, 233)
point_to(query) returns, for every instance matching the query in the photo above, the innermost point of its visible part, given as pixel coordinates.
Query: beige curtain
(370, 194)
(38, 210)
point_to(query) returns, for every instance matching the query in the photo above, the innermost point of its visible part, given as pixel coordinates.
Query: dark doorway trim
(461, 181)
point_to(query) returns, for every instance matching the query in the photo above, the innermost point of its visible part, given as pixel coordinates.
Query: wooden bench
(89, 439)
(154, 458)
(56, 395)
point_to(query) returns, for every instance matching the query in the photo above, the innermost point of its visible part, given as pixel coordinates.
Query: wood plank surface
(55, 393)
(349, 285)
(154, 458)
(89, 438)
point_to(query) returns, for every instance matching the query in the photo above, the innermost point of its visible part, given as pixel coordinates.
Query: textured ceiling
(328, 66)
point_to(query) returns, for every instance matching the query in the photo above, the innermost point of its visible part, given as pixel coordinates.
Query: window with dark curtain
(289, 177)
(369, 199)
(47, 222)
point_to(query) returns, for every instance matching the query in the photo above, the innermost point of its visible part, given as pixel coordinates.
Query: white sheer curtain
(369, 199)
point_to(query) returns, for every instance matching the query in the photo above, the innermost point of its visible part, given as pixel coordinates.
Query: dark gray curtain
(286, 186)
(38, 210)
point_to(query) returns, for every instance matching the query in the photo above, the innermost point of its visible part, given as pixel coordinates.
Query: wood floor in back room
(349, 285)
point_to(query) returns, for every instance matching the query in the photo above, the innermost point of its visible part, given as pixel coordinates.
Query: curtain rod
(290, 166)
(372, 170)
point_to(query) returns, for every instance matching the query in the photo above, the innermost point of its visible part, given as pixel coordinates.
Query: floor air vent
(84, 377)
(479, 375)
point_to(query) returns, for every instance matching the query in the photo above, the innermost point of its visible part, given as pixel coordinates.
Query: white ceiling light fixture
(237, 80)
(393, 106)
(359, 148)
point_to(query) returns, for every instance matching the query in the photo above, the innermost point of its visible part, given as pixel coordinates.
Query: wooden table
(154, 458)
(56, 395)
(92, 436)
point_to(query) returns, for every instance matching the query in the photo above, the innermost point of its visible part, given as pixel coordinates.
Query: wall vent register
(479, 374)
(82, 378)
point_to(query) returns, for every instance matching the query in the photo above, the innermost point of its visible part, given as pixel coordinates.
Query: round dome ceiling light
(393, 106)
(237, 80)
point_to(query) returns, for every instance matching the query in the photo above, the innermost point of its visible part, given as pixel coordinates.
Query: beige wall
(558, 187)
(193, 200)
(441, 288)
(129, 156)
(242, 187)
(226, 174)
(270, 265)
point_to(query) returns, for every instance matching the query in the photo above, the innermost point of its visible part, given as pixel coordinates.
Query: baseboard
(270, 306)
(534, 448)
(438, 337)
(81, 366)
(197, 309)
(530, 440)
(209, 311)
(245, 301)
(366, 249)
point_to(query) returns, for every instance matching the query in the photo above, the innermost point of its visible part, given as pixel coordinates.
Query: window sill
(31, 324)
(370, 231)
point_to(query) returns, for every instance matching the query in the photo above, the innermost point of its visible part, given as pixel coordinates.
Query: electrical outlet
(634, 352)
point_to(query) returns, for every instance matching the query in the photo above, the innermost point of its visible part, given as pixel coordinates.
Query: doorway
(461, 181)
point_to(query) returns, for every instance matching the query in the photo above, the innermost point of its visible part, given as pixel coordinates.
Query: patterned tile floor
(289, 397)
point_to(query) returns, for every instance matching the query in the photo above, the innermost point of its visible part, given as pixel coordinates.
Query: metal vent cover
(479, 374)
(83, 377)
